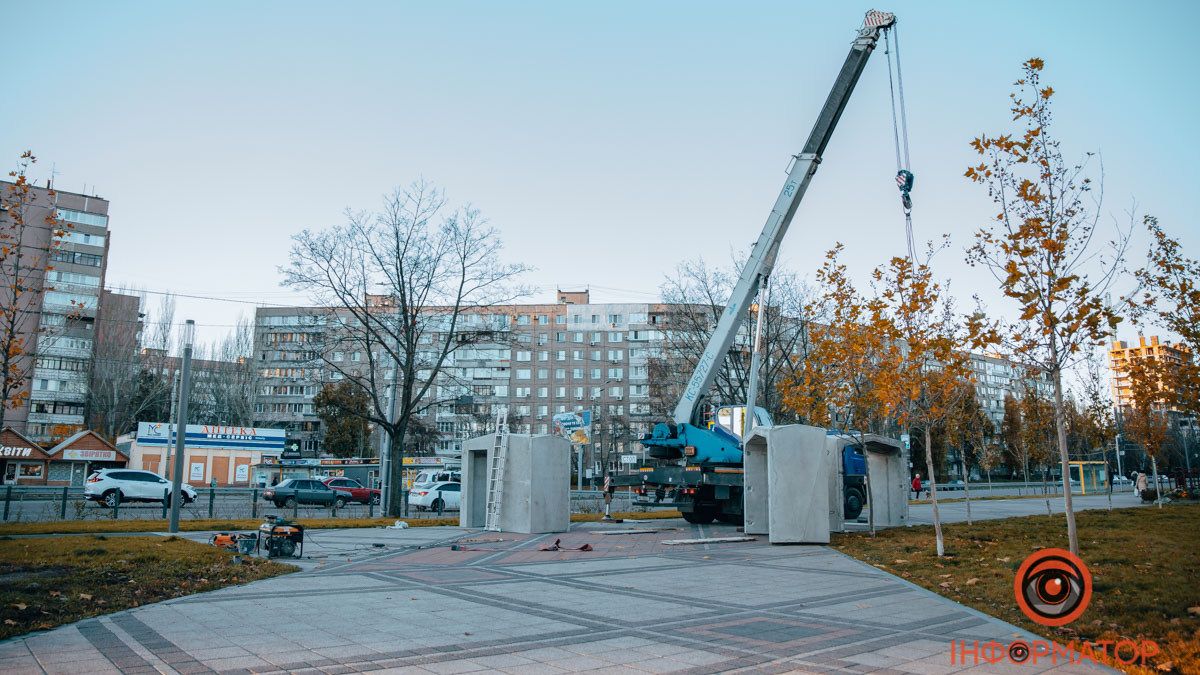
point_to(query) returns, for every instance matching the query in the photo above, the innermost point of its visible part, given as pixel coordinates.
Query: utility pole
(1120, 472)
(189, 334)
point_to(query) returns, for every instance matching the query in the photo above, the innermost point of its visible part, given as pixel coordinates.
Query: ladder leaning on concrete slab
(495, 480)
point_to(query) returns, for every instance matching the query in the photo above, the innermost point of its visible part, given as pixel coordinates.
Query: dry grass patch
(1144, 564)
(47, 582)
(117, 526)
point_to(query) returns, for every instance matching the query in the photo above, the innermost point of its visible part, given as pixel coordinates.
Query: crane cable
(904, 176)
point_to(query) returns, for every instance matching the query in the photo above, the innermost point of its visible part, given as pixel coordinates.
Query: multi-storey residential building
(538, 360)
(1121, 354)
(66, 239)
(997, 377)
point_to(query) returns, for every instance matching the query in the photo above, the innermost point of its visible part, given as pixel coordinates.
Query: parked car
(427, 497)
(429, 477)
(350, 490)
(114, 486)
(300, 491)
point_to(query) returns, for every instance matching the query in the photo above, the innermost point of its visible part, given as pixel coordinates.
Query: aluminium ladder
(495, 484)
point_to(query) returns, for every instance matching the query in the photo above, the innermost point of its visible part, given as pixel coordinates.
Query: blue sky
(607, 141)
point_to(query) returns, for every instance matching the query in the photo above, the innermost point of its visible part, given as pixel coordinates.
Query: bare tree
(695, 297)
(399, 286)
(228, 379)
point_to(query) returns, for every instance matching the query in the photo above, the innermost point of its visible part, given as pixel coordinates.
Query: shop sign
(242, 474)
(197, 471)
(80, 455)
(13, 451)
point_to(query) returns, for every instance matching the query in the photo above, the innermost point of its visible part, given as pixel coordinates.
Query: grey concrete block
(791, 486)
(536, 494)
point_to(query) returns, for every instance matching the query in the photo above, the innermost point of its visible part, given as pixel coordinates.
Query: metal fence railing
(30, 503)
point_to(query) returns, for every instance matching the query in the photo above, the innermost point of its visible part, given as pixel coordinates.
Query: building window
(523, 374)
(82, 218)
(577, 337)
(522, 319)
(595, 373)
(543, 319)
(543, 373)
(524, 356)
(560, 320)
(560, 373)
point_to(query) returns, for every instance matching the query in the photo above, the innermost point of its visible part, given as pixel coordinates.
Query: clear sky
(607, 141)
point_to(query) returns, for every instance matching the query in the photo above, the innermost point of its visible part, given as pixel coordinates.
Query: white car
(428, 477)
(113, 486)
(427, 496)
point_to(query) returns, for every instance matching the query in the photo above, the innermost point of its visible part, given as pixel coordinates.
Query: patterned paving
(501, 604)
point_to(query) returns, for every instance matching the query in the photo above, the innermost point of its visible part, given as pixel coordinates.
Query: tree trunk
(1157, 486)
(966, 485)
(1108, 472)
(1060, 425)
(1046, 490)
(396, 485)
(937, 521)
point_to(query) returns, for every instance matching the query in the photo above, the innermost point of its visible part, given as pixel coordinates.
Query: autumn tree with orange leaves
(23, 267)
(1042, 249)
(925, 386)
(835, 384)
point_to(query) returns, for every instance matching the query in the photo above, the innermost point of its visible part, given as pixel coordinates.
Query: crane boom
(762, 256)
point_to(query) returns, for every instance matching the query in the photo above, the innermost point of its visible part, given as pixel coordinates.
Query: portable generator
(281, 538)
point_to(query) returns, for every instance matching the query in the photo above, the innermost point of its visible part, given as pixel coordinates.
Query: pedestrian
(916, 486)
(609, 489)
(1142, 484)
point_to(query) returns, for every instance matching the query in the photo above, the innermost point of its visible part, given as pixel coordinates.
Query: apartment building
(65, 240)
(1122, 353)
(537, 360)
(997, 377)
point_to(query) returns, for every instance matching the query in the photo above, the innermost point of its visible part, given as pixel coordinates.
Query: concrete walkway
(633, 604)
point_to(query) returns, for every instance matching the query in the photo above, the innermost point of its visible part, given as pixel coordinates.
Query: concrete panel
(755, 486)
(797, 472)
(887, 462)
(836, 484)
(536, 492)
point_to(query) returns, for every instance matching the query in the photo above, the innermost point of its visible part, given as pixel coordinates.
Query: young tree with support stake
(398, 285)
(1146, 419)
(924, 387)
(1040, 247)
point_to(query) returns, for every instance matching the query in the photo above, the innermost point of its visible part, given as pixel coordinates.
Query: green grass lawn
(1145, 565)
(49, 581)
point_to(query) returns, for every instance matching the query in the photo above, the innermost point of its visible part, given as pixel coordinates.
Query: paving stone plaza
(404, 601)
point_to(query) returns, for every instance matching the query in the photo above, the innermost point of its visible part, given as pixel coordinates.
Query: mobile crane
(706, 479)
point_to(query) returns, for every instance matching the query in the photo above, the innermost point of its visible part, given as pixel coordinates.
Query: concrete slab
(632, 604)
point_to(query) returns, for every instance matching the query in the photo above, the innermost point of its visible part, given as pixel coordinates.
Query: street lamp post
(189, 334)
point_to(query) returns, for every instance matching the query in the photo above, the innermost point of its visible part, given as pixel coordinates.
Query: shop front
(22, 462)
(213, 454)
(76, 457)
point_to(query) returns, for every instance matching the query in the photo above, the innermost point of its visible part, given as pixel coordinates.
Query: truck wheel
(701, 517)
(854, 504)
(732, 518)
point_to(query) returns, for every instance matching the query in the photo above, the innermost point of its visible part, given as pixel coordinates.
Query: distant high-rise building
(66, 241)
(1121, 354)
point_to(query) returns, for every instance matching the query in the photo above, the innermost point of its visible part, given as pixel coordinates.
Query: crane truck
(703, 467)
